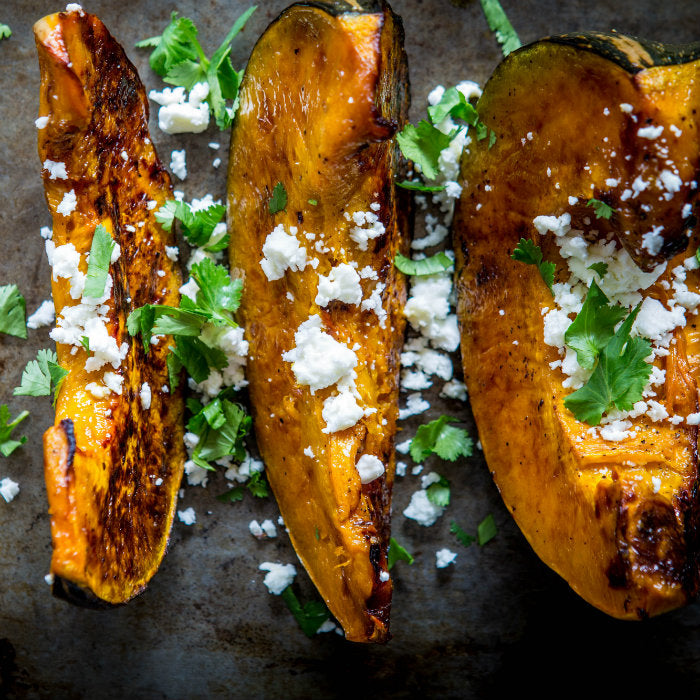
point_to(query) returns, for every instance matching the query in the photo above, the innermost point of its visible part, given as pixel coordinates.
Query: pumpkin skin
(340, 77)
(588, 507)
(104, 459)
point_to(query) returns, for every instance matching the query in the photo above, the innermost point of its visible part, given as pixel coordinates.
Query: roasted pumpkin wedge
(114, 458)
(324, 92)
(614, 508)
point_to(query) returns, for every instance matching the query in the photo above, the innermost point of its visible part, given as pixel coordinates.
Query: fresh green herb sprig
(13, 311)
(42, 376)
(600, 268)
(619, 376)
(397, 553)
(278, 200)
(440, 262)
(530, 254)
(441, 438)
(5, 31)
(439, 493)
(101, 251)
(197, 226)
(310, 616)
(500, 25)
(418, 186)
(486, 530)
(179, 59)
(463, 537)
(7, 444)
(602, 210)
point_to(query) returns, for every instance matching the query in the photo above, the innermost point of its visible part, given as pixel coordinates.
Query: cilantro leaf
(41, 376)
(600, 268)
(174, 369)
(221, 430)
(439, 493)
(12, 311)
(5, 31)
(232, 495)
(310, 616)
(428, 266)
(423, 144)
(7, 444)
(98, 265)
(593, 327)
(454, 104)
(258, 486)
(492, 138)
(197, 358)
(618, 379)
(602, 210)
(499, 24)
(186, 74)
(530, 254)
(463, 537)
(151, 42)
(176, 44)
(418, 186)
(217, 293)
(442, 439)
(697, 254)
(397, 553)
(278, 200)
(486, 530)
(197, 226)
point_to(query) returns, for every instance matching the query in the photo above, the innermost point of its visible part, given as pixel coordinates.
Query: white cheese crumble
(454, 389)
(422, 510)
(444, 557)
(318, 360)
(68, 204)
(41, 122)
(145, 396)
(650, 132)
(369, 468)
(309, 452)
(340, 412)
(8, 489)
(187, 516)
(281, 251)
(56, 169)
(367, 227)
(43, 316)
(279, 576)
(178, 163)
(179, 115)
(342, 283)
(415, 404)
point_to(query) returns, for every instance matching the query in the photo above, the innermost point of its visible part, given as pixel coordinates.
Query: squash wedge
(324, 92)
(112, 464)
(617, 518)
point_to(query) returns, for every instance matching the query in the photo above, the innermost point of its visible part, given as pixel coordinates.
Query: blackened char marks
(67, 427)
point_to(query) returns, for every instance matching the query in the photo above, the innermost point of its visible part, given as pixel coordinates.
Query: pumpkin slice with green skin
(112, 465)
(618, 520)
(325, 90)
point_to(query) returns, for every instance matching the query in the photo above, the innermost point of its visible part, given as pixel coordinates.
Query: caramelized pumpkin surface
(324, 92)
(112, 466)
(617, 519)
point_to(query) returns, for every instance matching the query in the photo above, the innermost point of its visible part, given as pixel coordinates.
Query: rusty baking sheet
(497, 621)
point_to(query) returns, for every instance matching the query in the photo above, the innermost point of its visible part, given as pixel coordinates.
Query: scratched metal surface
(497, 621)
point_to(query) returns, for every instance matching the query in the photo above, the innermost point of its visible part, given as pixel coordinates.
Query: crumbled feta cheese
(75, 7)
(309, 452)
(422, 510)
(279, 576)
(650, 132)
(68, 204)
(46, 233)
(99, 391)
(145, 396)
(268, 527)
(653, 241)
(190, 289)
(43, 316)
(415, 404)
(401, 468)
(113, 382)
(626, 107)
(178, 115)
(57, 170)
(41, 122)
(342, 283)
(281, 251)
(255, 529)
(360, 234)
(444, 557)
(178, 163)
(340, 412)
(454, 389)
(216, 163)
(173, 252)
(318, 360)
(8, 489)
(414, 381)
(187, 516)
(656, 484)
(369, 468)
(693, 419)
(404, 447)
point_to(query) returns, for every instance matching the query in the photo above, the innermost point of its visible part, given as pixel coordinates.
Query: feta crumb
(214, 146)
(626, 107)
(327, 626)
(281, 251)
(650, 132)
(342, 283)
(8, 489)
(422, 510)
(318, 360)
(255, 529)
(173, 252)
(369, 468)
(145, 396)
(68, 204)
(360, 234)
(57, 170)
(178, 115)
(404, 447)
(41, 122)
(187, 516)
(401, 468)
(216, 162)
(415, 404)
(268, 527)
(113, 382)
(444, 557)
(279, 576)
(43, 316)
(75, 7)
(178, 163)
(49, 578)
(309, 452)
(340, 412)
(656, 484)
(454, 389)
(46, 233)
(693, 419)
(99, 391)
(384, 576)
